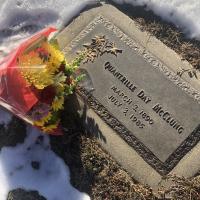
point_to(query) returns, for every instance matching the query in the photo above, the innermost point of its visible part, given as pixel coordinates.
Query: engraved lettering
(131, 86)
(167, 117)
(118, 75)
(161, 112)
(124, 79)
(125, 111)
(144, 97)
(115, 101)
(180, 130)
(108, 65)
(121, 94)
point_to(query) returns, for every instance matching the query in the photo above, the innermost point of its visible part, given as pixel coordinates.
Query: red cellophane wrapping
(21, 97)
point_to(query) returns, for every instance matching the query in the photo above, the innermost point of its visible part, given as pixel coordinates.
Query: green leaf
(80, 77)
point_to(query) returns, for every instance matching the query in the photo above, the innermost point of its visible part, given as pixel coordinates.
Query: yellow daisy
(56, 58)
(57, 103)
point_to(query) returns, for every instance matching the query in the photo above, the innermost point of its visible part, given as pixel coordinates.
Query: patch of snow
(34, 166)
(185, 14)
(21, 18)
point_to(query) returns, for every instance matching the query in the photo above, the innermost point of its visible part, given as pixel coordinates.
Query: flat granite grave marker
(147, 114)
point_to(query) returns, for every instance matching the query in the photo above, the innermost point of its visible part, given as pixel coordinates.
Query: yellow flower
(39, 66)
(43, 120)
(60, 88)
(57, 103)
(41, 79)
(36, 74)
(50, 127)
(56, 58)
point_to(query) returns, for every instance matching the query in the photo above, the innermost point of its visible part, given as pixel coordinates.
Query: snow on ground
(20, 19)
(32, 165)
(185, 14)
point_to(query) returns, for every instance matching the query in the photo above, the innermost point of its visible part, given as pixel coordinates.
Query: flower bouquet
(35, 79)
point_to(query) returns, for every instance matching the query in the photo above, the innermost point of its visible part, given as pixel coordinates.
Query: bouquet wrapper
(27, 82)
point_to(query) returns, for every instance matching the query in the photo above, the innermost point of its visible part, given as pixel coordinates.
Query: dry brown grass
(183, 188)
